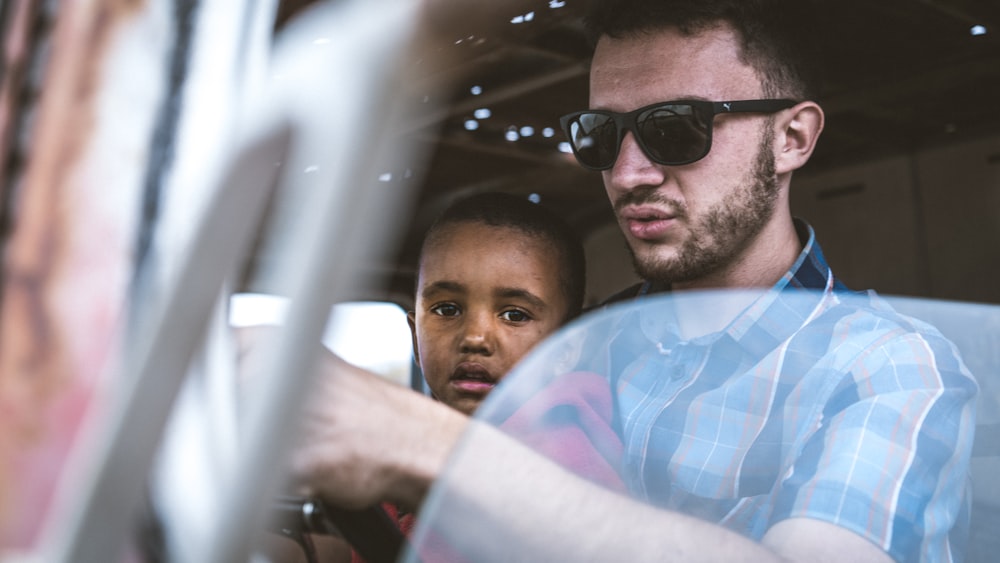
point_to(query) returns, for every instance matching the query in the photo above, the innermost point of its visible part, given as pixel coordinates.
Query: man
(722, 220)
(697, 122)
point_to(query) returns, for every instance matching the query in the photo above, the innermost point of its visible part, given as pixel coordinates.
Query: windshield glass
(740, 408)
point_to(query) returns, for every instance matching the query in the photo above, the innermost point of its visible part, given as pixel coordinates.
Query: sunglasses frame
(629, 122)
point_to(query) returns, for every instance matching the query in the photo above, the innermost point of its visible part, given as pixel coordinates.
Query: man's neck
(765, 260)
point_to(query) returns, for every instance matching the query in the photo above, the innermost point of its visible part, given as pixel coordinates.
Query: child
(497, 274)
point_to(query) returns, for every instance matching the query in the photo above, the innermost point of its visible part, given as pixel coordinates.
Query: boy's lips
(473, 377)
(645, 222)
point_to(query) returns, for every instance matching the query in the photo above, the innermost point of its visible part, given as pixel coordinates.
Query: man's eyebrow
(520, 293)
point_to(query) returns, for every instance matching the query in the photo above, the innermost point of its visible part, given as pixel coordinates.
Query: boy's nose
(477, 337)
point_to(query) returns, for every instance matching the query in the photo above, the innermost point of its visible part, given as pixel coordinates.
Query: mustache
(640, 196)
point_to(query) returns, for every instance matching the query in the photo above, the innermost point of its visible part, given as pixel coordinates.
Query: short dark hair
(499, 209)
(776, 36)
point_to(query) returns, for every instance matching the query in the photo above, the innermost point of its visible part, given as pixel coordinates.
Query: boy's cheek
(432, 368)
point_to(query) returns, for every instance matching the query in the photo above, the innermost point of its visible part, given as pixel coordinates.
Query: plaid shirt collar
(810, 270)
(775, 315)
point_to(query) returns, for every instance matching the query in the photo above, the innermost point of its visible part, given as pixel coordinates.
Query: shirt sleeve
(890, 458)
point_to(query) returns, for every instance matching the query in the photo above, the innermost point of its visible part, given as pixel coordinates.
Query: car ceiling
(901, 75)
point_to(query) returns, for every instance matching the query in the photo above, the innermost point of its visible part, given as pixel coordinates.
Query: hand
(365, 440)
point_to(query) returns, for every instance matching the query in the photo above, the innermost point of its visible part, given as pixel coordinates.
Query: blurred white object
(371, 335)
(333, 102)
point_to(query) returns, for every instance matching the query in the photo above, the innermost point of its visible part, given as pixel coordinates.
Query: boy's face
(485, 296)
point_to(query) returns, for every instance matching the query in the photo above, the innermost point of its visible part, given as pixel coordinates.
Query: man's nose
(633, 168)
(478, 334)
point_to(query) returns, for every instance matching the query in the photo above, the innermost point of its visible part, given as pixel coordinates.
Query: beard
(719, 236)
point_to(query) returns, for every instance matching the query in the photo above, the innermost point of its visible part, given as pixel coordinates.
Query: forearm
(501, 501)
(427, 433)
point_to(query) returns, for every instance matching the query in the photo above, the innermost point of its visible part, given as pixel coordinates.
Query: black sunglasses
(671, 133)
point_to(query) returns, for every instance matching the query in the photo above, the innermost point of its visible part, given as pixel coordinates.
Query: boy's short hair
(777, 37)
(499, 209)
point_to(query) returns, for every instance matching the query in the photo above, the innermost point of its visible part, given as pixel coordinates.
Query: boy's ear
(797, 132)
(411, 319)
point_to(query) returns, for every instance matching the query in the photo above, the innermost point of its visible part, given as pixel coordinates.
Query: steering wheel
(370, 531)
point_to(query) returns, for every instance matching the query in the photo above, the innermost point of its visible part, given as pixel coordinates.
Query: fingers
(364, 440)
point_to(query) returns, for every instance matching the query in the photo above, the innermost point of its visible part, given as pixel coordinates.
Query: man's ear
(411, 319)
(798, 129)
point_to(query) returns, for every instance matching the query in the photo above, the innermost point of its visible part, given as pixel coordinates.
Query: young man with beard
(861, 420)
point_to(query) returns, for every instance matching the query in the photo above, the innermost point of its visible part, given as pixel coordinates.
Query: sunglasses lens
(668, 133)
(594, 137)
(674, 134)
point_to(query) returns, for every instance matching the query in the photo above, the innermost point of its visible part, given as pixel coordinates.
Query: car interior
(902, 188)
(903, 191)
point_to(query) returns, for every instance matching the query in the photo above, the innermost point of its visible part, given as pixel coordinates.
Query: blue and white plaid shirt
(810, 404)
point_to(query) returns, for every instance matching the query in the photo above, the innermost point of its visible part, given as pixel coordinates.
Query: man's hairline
(768, 87)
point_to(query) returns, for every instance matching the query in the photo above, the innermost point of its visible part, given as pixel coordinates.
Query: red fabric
(570, 422)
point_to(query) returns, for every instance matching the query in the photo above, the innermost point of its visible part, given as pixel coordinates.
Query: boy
(496, 275)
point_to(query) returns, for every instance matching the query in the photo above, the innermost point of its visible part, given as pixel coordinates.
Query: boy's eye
(445, 309)
(515, 316)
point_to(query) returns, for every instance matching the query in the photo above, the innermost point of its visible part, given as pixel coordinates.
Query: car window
(370, 334)
(373, 335)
